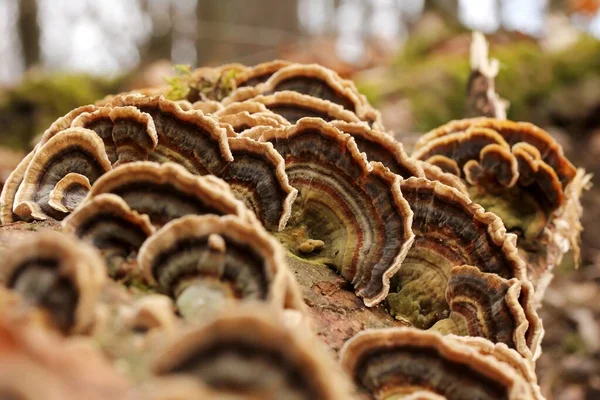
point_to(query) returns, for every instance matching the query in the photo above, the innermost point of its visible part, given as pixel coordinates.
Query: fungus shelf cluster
(215, 246)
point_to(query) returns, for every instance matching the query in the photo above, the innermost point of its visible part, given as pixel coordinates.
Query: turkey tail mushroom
(315, 81)
(393, 362)
(168, 191)
(349, 214)
(519, 172)
(250, 353)
(219, 260)
(72, 151)
(293, 106)
(60, 275)
(107, 222)
(451, 231)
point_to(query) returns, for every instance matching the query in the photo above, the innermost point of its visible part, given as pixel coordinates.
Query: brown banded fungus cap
(72, 151)
(385, 363)
(315, 81)
(350, 214)
(107, 222)
(168, 191)
(488, 306)
(513, 132)
(257, 176)
(293, 105)
(244, 120)
(201, 145)
(381, 147)
(249, 353)
(188, 138)
(69, 192)
(59, 274)
(207, 262)
(98, 120)
(128, 134)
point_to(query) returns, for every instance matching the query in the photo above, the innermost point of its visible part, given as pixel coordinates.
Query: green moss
(28, 109)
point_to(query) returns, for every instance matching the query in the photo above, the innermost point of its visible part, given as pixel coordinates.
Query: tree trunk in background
(159, 45)
(29, 32)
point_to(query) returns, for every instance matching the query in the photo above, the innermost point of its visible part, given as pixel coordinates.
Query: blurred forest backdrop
(410, 57)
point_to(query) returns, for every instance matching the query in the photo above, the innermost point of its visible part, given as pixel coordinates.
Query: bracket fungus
(450, 232)
(250, 353)
(314, 81)
(72, 151)
(59, 274)
(386, 363)
(204, 150)
(128, 134)
(107, 222)
(207, 262)
(352, 208)
(293, 106)
(246, 206)
(168, 191)
(513, 169)
(254, 170)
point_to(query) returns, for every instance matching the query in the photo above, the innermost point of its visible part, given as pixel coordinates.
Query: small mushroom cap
(461, 146)
(353, 207)
(74, 150)
(249, 352)
(133, 133)
(446, 164)
(69, 192)
(293, 106)
(107, 222)
(99, 121)
(58, 273)
(168, 191)
(9, 191)
(401, 361)
(381, 147)
(489, 307)
(228, 252)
